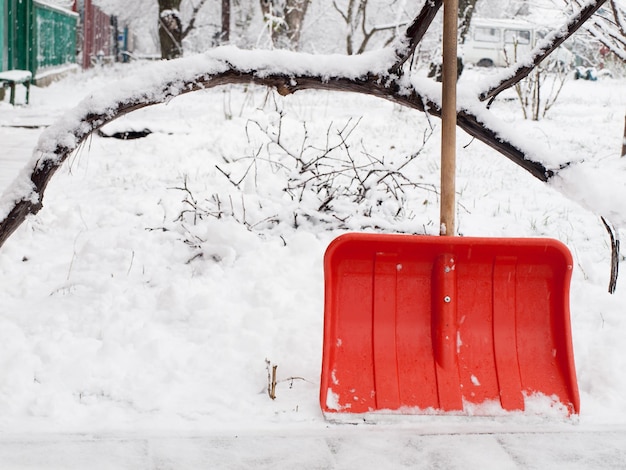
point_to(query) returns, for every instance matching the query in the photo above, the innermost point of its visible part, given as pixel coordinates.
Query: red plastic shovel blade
(422, 324)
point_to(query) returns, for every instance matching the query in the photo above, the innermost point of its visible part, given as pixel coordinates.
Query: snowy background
(140, 308)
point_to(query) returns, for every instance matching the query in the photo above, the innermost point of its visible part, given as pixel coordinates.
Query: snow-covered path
(122, 347)
(334, 449)
(16, 150)
(20, 128)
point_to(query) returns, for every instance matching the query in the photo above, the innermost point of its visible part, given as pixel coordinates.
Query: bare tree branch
(79, 127)
(281, 71)
(343, 15)
(613, 42)
(415, 32)
(619, 19)
(192, 21)
(615, 250)
(522, 68)
(609, 30)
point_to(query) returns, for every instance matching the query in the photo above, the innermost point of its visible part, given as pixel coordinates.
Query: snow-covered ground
(141, 308)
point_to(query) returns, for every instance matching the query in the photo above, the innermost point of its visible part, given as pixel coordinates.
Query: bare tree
(609, 29)
(193, 17)
(284, 19)
(225, 33)
(176, 19)
(358, 31)
(385, 77)
(170, 29)
(466, 11)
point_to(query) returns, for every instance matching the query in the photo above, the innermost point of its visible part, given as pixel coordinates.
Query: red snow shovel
(423, 324)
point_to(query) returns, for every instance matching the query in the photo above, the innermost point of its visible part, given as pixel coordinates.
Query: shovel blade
(422, 324)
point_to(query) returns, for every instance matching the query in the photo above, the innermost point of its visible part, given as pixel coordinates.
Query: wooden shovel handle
(448, 118)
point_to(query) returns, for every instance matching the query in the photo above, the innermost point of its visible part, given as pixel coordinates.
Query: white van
(494, 42)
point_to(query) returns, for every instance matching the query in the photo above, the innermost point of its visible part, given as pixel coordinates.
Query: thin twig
(615, 248)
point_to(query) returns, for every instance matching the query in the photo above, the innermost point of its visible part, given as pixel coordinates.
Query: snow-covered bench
(11, 78)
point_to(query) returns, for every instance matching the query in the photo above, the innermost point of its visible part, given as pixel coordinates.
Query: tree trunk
(294, 17)
(285, 19)
(466, 11)
(225, 33)
(170, 29)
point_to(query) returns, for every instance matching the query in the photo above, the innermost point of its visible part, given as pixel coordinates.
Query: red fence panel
(97, 41)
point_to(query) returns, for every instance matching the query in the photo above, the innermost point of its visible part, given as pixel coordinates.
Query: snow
(139, 307)
(327, 65)
(163, 81)
(16, 75)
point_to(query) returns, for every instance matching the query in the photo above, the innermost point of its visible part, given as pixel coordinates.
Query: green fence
(36, 36)
(18, 33)
(3, 37)
(54, 38)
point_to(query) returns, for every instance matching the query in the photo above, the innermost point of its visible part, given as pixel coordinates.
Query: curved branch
(615, 254)
(619, 19)
(287, 72)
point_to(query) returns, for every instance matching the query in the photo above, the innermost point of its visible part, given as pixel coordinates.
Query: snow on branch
(377, 73)
(415, 32)
(544, 48)
(612, 40)
(618, 14)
